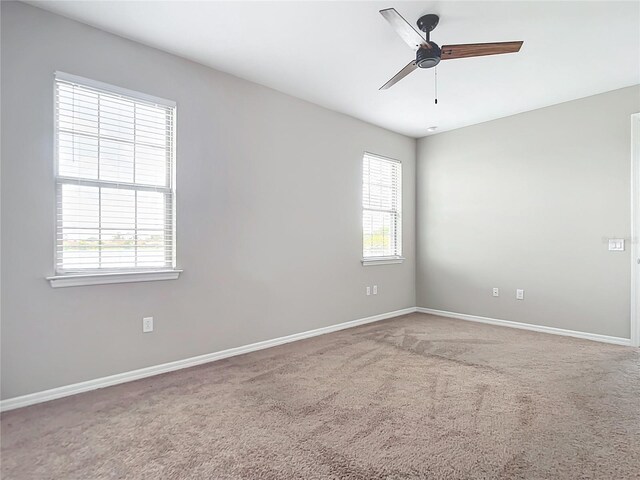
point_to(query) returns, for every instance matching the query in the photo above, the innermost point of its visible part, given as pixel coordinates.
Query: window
(381, 210)
(115, 197)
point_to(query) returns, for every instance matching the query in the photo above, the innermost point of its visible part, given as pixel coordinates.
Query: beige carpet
(417, 397)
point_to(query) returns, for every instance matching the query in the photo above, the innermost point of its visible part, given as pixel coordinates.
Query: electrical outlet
(616, 244)
(496, 292)
(375, 289)
(147, 324)
(519, 294)
(368, 290)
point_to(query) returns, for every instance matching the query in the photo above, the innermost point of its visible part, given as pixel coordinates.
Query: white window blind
(381, 207)
(114, 179)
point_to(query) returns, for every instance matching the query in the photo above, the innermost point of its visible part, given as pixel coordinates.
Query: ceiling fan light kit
(428, 53)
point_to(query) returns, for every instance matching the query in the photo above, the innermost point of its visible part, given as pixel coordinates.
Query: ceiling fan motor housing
(428, 57)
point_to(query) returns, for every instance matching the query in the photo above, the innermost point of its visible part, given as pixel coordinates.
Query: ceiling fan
(428, 53)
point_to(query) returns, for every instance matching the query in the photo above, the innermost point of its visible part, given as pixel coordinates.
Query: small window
(381, 210)
(115, 196)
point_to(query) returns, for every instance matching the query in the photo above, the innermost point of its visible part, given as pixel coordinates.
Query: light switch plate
(616, 244)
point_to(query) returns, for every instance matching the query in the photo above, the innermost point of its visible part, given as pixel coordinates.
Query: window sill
(77, 280)
(367, 262)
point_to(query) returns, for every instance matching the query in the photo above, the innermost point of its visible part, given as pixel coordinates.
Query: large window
(114, 179)
(381, 209)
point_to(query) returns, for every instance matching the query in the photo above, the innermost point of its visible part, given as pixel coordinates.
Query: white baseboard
(528, 326)
(67, 390)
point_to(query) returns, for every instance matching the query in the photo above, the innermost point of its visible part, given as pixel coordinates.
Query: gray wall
(269, 214)
(528, 202)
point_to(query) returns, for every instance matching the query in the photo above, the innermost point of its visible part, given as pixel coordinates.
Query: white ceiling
(337, 54)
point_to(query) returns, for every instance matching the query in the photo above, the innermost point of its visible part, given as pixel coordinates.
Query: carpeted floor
(416, 397)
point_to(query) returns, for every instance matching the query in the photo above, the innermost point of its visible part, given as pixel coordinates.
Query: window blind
(114, 179)
(381, 207)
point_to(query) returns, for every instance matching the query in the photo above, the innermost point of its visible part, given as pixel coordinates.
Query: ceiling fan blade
(400, 75)
(467, 50)
(409, 34)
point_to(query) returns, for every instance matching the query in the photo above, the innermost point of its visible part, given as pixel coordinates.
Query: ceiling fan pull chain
(436, 82)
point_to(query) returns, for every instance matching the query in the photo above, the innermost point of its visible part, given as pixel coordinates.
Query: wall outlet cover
(520, 294)
(147, 324)
(616, 244)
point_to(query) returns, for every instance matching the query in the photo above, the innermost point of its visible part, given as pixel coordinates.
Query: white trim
(527, 326)
(366, 262)
(88, 82)
(78, 280)
(635, 230)
(65, 391)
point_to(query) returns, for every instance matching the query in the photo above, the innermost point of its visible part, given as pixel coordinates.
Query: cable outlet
(496, 292)
(147, 324)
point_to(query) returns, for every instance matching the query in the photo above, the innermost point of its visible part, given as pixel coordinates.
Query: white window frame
(64, 278)
(383, 260)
